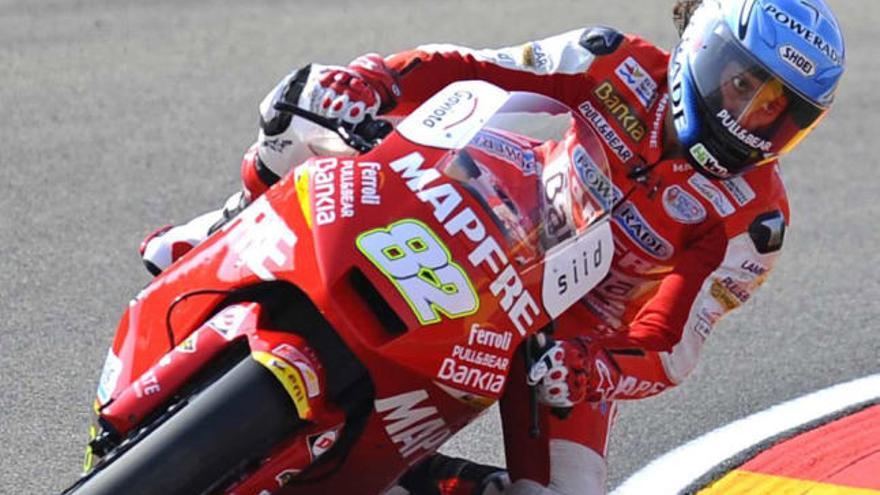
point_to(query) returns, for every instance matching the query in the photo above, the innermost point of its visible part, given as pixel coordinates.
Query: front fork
(163, 387)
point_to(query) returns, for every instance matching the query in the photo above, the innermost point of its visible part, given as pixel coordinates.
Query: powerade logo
(597, 183)
(632, 221)
(677, 91)
(804, 32)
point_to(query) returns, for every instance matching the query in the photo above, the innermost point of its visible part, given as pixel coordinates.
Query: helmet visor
(750, 107)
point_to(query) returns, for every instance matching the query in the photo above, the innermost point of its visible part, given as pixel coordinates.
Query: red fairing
(314, 230)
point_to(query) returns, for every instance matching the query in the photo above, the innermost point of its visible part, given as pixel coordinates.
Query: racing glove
(573, 371)
(366, 87)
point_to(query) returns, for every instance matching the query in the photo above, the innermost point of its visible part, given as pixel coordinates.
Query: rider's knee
(574, 470)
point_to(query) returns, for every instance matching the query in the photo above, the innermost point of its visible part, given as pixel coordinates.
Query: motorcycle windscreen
(540, 174)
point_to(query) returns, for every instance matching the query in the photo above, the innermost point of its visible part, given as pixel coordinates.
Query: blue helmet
(751, 78)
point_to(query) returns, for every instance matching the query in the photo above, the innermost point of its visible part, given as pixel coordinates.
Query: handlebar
(362, 137)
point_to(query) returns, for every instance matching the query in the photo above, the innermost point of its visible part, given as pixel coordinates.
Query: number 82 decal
(420, 266)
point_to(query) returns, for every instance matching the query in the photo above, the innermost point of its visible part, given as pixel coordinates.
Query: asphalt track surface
(118, 116)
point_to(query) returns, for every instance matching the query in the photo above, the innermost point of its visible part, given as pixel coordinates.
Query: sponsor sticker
(452, 117)
(445, 111)
(346, 189)
(310, 378)
(707, 160)
(490, 338)
(797, 60)
(473, 377)
(681, 206)
(626, 386)
(596, 182)
(739, 189)
(228, 321)
(479, 365)
(676, 93)
(557, 194)
(605, 131)
(657, 123)
(573, 268)
(735, 288)
(799, 29)
(533, 56)
(371, 183)
(264, 244)
(681, 167)
(147, 384)
(621, 111)
(708, 190)
(188, 345)
(637, 79)
(507, 150)
(734, 128)
(337, 187)
(290, 379)
(324, 190)
(297, 358)
(754, 267)
(319, 444)
(638, 229)
(703, 327)
(724, 296)
(411, 424)
(109, 377)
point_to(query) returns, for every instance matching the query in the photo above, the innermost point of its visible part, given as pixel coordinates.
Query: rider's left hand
(570, 372)
(366, 87)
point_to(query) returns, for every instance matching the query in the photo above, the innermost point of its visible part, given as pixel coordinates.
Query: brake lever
(534, 349)
(362, 137)
(284, 106)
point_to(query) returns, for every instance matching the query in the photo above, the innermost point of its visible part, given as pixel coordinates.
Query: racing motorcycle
(365, 308)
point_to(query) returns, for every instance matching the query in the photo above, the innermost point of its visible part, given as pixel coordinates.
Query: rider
(700, 206)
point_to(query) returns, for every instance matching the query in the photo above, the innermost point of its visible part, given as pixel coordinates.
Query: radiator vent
(377, 304)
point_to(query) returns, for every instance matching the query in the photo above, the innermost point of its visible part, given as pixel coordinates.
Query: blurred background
(120, 116)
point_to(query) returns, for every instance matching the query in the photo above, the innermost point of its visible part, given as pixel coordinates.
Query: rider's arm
(557, 66)
(722, 271)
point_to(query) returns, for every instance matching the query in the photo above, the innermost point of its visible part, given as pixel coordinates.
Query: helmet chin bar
(733, 157)
(704, 142)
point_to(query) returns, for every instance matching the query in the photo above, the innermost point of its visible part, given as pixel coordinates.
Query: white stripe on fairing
(674, 471)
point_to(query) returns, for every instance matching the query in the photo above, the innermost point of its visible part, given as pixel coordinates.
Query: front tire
(234, 421)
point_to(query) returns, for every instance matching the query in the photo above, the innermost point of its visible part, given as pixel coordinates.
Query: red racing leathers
(689, 248)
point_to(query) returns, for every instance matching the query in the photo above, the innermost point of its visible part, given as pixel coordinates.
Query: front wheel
(234, 421)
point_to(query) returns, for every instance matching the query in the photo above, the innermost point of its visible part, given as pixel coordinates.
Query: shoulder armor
(601, 40)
